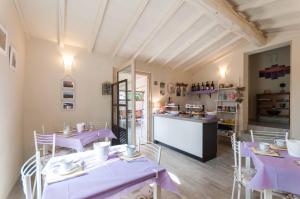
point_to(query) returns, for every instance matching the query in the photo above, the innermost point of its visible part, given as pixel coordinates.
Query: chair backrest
(236, 146)
(31, 168)
(41, 140)
(98, 125)
(149, 149)
(267, 136)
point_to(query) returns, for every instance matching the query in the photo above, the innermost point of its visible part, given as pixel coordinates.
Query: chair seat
(247, 175)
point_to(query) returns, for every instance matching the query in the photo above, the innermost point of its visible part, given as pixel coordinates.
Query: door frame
(149, 104)
(132, 88)
(118, 108)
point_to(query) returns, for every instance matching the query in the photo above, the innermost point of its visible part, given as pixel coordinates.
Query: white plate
(135, 154)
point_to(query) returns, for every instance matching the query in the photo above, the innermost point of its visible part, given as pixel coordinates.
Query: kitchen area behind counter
(193, 128)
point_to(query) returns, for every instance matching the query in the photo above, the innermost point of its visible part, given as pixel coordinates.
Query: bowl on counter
(293, 147)
(173, 113)
(211, 115)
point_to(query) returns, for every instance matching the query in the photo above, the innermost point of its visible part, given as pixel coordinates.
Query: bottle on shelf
(198, 87)
(207, 85)
(192, 87)
(202, 86)
(212, 86)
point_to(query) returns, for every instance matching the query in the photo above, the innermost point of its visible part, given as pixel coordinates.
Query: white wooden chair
(267, 136)
(241, 175)
(31, 172)
(151, 150)
(43, 140)
(98, 125)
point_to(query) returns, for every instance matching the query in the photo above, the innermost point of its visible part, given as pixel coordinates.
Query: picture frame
(68, 95)
(3, 41)
(106, 88)
(68, 84)
(68, 105)
(13, 58)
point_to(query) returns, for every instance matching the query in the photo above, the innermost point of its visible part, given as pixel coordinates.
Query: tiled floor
(210, 180)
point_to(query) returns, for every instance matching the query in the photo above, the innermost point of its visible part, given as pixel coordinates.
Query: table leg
(156, 191)
(267, 194)
(248, 166)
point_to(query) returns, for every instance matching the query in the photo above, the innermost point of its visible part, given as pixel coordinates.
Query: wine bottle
(202, 86)
(207, 85)
(212, 86)
(198, 87)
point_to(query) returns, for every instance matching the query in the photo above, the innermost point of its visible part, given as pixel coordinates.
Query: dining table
(280, 173)
(111, 179)
(78, 140)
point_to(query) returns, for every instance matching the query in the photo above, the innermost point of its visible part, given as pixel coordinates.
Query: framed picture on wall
(3, 41)
(68, 93)
(68, 84)
(12, 58)
(68, 105)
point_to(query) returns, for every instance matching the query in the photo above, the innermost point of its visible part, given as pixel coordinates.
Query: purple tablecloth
(281, 174)
(78, 142)
(107, 181)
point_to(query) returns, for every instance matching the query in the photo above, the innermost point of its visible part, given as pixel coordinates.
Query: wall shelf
(202, 92)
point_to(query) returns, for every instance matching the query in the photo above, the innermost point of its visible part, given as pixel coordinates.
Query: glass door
(127, 72)
(120, 112)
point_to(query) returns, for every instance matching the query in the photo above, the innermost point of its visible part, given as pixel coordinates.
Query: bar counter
(196, 138)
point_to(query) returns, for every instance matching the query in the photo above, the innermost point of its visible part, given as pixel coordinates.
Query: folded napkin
(274, 147)
(53, 175)
(126, 158)
(266, 153)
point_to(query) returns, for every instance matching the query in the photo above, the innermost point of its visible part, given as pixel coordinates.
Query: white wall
(166, 75)
(11, 101)
(237, 67)
(44, 73)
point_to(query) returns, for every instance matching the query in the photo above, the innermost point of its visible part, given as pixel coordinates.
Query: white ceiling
(181, 34)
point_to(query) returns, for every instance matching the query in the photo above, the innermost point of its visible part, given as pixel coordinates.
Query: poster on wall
(170, 88)
(3, 41)
(106, 88)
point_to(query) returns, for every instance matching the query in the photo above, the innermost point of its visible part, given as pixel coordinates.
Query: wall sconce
(68, 62)
(222, 72)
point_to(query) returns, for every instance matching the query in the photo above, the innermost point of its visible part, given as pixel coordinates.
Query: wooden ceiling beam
(220, 48)
(98, 24)
(190, 42)
(141, 9)
(228, 17)
(176, 36)
(254, 4)
(201, 49)
(61, 23)
(171, 12)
